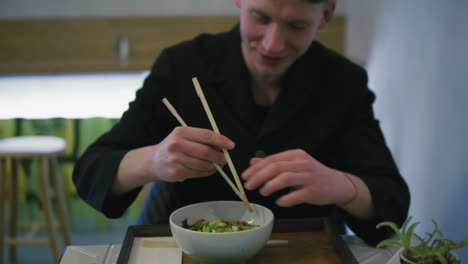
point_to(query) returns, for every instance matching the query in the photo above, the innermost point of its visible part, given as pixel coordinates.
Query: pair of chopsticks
(239, 190)
(169, 242)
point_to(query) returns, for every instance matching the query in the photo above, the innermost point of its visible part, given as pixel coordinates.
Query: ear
(328, 13)
(238, 3)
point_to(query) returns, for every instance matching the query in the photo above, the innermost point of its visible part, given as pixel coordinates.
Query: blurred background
(69, 68)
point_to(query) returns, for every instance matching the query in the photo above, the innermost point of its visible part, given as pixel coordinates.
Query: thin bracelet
(356, 192)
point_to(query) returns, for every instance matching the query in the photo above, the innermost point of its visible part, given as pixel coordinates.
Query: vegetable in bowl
(220, 226)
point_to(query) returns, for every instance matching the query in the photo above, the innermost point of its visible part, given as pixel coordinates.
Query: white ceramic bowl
(233, 247)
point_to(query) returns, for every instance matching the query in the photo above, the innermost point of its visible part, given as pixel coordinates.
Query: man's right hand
(187, 152)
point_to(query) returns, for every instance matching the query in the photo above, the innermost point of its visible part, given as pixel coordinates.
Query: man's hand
(188, 152)
(310, 181)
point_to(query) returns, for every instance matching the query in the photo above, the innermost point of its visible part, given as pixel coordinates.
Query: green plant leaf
(437, 229)
(406, 223)
(408, 234)
(442, 246)
(421, 251)
(462, 244)
(441, 258)
(392, 225)
(389, 242)
(435, 248)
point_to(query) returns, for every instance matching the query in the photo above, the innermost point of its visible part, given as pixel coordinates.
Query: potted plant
(435, 249)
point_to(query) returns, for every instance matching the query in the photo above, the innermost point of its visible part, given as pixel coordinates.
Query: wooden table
(308, 242)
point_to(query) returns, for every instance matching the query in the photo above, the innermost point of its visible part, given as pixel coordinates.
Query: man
(296, 117)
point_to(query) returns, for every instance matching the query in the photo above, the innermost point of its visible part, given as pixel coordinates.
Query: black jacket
(324, 107)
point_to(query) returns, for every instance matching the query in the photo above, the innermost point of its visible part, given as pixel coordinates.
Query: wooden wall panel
(88, 44)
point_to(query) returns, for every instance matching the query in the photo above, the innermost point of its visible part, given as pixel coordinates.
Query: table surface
(107, 254)
(319, 228)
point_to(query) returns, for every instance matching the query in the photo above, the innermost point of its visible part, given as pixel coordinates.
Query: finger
(266, 173)
(253, 181)
(204, 152)
(179, 172)
(186, 166)
(282, 181)
(285, 155)
(290, 155)
(293, 198)
(255, 160)
(255, 166)
(263, 170)
(199, 167)
(205, 136)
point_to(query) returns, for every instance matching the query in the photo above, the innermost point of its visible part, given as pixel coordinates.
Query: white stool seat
(32, 145)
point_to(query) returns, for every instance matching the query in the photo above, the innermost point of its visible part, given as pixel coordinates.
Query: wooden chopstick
(200, 94)
(215, 129)
(226, 178)
(169, 242)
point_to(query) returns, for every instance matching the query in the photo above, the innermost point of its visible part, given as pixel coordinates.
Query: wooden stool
(44, 150)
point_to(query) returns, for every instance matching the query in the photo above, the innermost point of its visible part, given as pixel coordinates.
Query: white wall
(418, 66)
(360, 27)
(59, 8)
(54, 8)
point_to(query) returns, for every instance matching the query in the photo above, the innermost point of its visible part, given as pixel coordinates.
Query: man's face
(275, 33)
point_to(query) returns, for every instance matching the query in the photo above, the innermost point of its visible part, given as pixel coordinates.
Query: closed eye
(260, 18)
(298, 26)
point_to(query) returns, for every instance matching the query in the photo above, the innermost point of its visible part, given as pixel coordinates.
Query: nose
(273, 39)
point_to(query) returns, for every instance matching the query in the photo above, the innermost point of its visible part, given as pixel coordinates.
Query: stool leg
(47, 209)
(2, 198)
(63, 215)
(13, 208)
